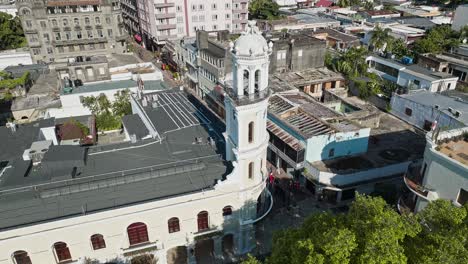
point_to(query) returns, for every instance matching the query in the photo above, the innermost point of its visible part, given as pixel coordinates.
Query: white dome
(251, 42)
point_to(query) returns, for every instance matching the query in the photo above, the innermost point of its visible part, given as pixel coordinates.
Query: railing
(166, 26)
(296, 165)
(162, 5)
(247, 99)
(165, 15)
(413, 180)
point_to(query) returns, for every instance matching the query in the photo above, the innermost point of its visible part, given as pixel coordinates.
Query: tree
(380, 38)
(438, 39)
(251, 260)
(398, 48)
(264, 9)
(351, 63)
(109, 114)
(121, 105)
(11, 32)
(371, 232)
(443, 238)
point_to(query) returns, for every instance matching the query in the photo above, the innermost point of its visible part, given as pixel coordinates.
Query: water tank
(407, 60)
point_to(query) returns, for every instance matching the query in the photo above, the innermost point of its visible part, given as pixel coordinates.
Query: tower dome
(251, 42)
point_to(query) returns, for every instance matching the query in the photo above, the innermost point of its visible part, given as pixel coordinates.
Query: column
(162, 256)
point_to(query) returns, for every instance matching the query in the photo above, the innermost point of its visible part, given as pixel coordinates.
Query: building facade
(442, 174)
(160, 20)
(190, 204)
(57, 30)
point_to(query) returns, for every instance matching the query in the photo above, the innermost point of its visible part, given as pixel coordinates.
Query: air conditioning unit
(457, 114)
(450, 109)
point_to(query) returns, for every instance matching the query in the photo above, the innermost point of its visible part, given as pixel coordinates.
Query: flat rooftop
(393, 142)
(73, 181)
(310, 76)
(457, 150)
(152, 85)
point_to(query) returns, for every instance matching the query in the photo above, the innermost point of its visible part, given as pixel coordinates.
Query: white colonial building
(185, 195)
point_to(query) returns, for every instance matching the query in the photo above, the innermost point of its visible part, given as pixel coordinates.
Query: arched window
(86, 20)
(257, 79)
(76, 21)
(202, 219)
(21, 257)
(98, 242)
(65, 22)
(227, 210)
(173, 225)
(251, 132)
(98, 20)
(245, 82)
(26, 11)
(54, 22)
(251, 169)
(62, 252)
(137, 233)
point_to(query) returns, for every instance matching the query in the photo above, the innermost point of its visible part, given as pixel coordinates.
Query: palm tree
(380, 38)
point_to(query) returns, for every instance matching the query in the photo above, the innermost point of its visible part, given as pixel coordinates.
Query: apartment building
(442, 174)
(162, 20)
(57, 30)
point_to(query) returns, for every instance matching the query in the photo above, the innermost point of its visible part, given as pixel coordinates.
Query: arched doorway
(204, 251)
(177, 255)
(228, 247)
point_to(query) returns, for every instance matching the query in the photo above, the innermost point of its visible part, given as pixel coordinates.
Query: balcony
(78, 41)
(247, 99)
(30, 31)
(166, 26)
(55, 29)
(413, 180)
(163, 5)
(140, 249)
(165, 15)
(240, 10)
(406, 204)
(240, 1)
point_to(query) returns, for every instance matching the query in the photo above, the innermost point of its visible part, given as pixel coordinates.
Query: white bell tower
(246, 104)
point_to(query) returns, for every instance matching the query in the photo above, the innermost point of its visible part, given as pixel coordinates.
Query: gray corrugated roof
(112, 176)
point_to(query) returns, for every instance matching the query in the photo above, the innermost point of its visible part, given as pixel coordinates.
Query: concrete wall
(407, 79)
(343, 143)
(421, 113)
(444, 175)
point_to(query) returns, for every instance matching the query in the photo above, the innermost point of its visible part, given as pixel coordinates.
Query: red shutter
(62, 251)
(202, 221)
(173, 225)
(21, 257)
(137, 233)
(98, 242)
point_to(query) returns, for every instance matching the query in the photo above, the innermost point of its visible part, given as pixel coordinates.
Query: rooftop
(115, 85)
(307, 117)
(393, 142)
(72, 180)
(442, 102)
(457, 150)
(335, 34)
(309, 76)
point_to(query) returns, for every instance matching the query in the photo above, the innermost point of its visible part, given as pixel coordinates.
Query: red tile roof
(324, 3)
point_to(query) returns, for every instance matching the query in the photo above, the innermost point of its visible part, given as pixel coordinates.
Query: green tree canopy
(109, 114)
(11, 32)
(438, 39)
(380, 38)
(371, 232)
(264, 9)
(351, 63)
(444, 235)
